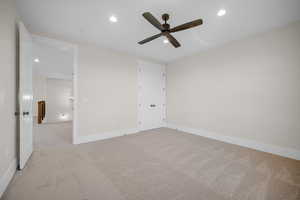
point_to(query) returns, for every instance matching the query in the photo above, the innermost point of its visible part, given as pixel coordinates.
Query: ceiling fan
(165, 28)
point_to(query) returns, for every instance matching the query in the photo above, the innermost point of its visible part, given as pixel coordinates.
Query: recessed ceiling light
(221, 12)
(166, 41)
(113, 19)
(37, 60)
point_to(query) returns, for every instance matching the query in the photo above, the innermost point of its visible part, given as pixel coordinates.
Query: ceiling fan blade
(150, 18)
(173, 41)
(187, 25)
(150, 38)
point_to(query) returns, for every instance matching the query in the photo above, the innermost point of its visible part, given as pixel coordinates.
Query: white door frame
(74, 47)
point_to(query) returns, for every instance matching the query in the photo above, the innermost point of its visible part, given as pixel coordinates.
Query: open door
(25, 96)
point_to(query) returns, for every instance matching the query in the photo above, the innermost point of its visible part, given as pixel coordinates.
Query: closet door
(151, 100)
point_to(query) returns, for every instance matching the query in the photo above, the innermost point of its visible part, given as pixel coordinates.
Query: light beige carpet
(52, 135)
(160, 164)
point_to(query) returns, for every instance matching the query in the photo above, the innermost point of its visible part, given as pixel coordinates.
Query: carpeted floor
(160, 164)
(52, 135)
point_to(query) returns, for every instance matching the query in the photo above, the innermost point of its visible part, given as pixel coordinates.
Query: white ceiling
(87, 21)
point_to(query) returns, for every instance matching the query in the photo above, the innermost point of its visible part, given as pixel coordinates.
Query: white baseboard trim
(7, 176)
(269, 148)
(104, 135)
(152, 127)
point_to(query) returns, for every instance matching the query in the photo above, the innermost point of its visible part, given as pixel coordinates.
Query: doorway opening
(53, 92)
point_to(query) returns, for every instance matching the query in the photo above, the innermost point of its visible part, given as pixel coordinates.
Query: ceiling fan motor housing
(165, 17)
(166, 27)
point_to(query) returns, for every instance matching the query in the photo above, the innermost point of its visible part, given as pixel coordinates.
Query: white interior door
(25, 95)
(151, 100)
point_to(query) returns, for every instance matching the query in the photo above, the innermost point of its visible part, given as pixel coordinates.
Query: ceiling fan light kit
(165, 28)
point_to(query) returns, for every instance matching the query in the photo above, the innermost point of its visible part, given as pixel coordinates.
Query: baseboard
(152, 127)
(273, 149)
(104, 135)
(7, 176)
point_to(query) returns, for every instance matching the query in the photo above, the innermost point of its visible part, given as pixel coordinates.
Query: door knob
(25, 113)
(152, 105)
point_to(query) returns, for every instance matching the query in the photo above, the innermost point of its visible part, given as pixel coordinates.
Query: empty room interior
(52, 89)
(150, 100)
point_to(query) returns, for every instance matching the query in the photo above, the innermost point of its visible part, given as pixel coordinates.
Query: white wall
(107, 92)
(7, 91)
(58, 101)
(247, 89)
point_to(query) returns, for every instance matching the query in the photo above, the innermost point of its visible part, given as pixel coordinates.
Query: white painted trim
(164, 97)
(151, 127)
(75, 94)
(7, 176)
(63, 44)
(139, 94)
(52, 42)
(104, 135)
(269, 148)
(59, 76)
